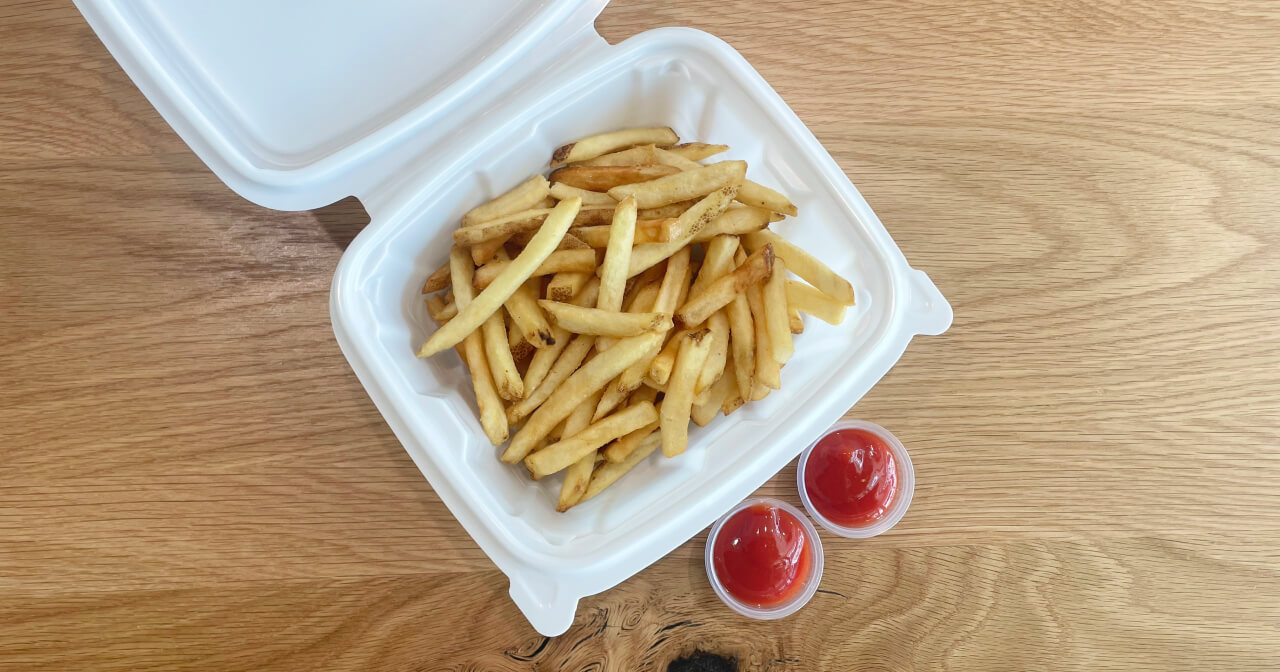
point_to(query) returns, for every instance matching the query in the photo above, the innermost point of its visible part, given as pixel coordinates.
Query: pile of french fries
(638, 288)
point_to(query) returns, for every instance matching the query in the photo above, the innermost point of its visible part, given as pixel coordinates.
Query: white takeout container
(425, 109)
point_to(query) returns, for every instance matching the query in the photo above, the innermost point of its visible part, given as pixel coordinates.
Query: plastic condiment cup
(783, 609)
(901, 498)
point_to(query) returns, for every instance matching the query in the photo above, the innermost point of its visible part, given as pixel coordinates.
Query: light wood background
(191, 478)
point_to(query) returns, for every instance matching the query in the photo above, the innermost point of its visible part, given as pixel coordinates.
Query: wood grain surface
(193, 479)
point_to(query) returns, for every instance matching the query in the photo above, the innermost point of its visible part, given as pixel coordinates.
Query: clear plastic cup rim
(901, 500)
(811, 582)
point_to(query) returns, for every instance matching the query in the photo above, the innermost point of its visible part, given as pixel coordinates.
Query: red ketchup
(851, 477)
(762, 556)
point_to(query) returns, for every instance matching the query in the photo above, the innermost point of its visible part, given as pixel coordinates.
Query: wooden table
(194, 480)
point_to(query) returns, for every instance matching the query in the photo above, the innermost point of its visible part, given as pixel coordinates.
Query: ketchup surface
(762, 555)
(851, 477)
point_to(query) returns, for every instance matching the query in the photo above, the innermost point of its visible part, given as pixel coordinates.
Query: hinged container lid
(296, 105)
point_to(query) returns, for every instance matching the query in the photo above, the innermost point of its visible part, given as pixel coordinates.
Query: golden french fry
(502, 366)
(759, 391)
(714, 369)
(603, 322)
(815, 302)
(662, 365)
(803, 264)
(440, 311)
(568, 450)
(718, 293)
(768, 371)
(605, 178)
(522, 305)
(604, 143)
(617, 256)
(641, 155)
(566, 285)
(696, 217)
(673, 279)
(733, 222)
(563, 368)
(560, 261)
(521, 269)
(438, 280)
(742, 342)
(563, 192)
(678, 402)
(585, 381)
(696, 151)
(732, 403)
(620, 450)
(521, 349)
(666, 211)
(724, 387)
(525, 195)
(607, 473)
(578, 474)
(501, 228)
(797, 322)
(492, 419)
(750, 193)
(682, 186)
(777, 319)
(716, 261)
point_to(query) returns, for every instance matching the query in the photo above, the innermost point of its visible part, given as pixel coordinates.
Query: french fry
(613, 272)
(662, 365)
(733, 222)
(438, 280)
(524, 196)
(732, 403)
(604, 322)
(797, 322)
(620, 450)
(718, 293)
(678, 402)
(768, 371)
(564, 367)
(641, 155)
(604, 143)
(608, 473)
(750, 193)
(716, 261)
(501, 228)
(521, 269)
(585, 381)
(492, 419)
(565, 285)
(646, 231)
(440, 311)
(560, 261)
(521, 349)
(742, 341)
(697, 217)
(714, 369)
(502, 365)
(522, 305)
(719, 392)
(568, 450)
(777, 318)
(803, 264)
(810, 300)
(696, 151)
(682, 186)
(606, 178)
(672, 210)
(759, 391)
(562, 191)
(578, 474)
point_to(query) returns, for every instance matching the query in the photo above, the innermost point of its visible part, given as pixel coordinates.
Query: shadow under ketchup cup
(857, 480)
